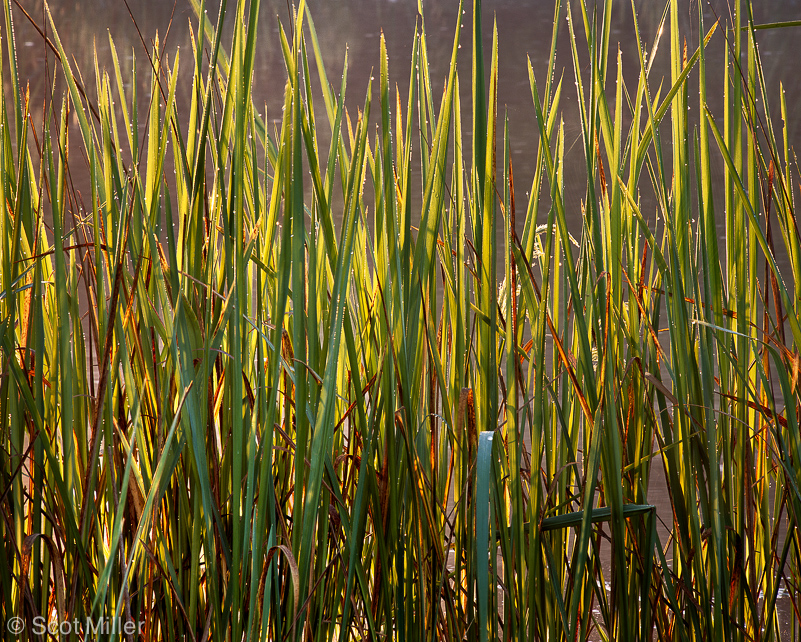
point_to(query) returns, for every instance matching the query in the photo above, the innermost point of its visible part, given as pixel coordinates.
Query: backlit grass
(364, 390)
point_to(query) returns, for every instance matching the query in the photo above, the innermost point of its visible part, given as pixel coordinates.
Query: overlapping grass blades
(237, 403)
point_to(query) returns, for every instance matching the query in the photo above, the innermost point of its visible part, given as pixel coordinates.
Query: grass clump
(287, 395)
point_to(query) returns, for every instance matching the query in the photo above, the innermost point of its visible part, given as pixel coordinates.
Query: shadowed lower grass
(286, 395)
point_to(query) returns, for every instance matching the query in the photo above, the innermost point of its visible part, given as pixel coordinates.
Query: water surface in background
(524, 28)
